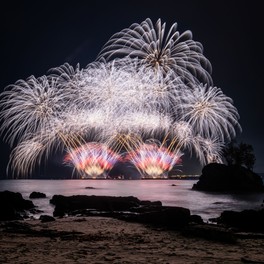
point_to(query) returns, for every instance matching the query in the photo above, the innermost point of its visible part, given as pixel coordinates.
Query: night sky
(39, 35)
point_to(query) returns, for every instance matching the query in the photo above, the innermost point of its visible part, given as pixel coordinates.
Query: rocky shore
(103, 229)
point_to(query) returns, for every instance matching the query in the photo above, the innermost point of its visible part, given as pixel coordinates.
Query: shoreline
(107, 229)
(177, 177)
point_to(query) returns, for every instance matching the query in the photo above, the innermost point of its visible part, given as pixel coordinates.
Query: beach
(109, 240)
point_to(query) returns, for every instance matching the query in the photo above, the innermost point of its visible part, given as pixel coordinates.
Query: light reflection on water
(169, 192)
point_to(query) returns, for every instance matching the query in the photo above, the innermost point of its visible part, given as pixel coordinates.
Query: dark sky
(39, 35)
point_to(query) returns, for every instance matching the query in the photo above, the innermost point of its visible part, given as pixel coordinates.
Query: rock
(65, 204)
(149, 203)
(210, 232)
(222, 178)
(35, 195)
(196, 219)
(167, 216)
(35, 211)
(246, 220)
(46, 218)
(13, 206)
(125, 208)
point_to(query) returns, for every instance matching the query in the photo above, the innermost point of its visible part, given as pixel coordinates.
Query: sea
(176, 192)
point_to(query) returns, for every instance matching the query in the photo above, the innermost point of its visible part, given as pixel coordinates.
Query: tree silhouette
(241, 154)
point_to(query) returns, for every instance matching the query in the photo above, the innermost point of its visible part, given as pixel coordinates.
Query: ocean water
(169, 192)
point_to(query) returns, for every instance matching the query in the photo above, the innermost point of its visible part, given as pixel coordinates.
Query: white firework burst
(210, 112)
(30, 106)
(208, 150)
(146, 84)
(158, 50)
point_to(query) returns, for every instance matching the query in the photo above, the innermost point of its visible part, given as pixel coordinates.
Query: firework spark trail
(160, 88)
(25, 156)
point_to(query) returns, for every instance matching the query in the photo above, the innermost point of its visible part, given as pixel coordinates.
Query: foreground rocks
(210, 232)
(125, 208)
(222, 178)
(246, 220)
(131, 209)
(13, 206)
(69, 204)
(154, 213)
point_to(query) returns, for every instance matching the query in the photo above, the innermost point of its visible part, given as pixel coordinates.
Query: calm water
(207, 205)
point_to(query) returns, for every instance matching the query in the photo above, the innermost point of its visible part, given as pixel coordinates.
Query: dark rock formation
(246, 220)
(210, 232)
(13, 206)
(222, 178)
(197, 219)
(35, 211)
(66, 204)
(35, 195)
(166, 216)
(46, 218)
(125, 208)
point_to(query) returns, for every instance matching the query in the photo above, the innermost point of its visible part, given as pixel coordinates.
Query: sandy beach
(108, 240)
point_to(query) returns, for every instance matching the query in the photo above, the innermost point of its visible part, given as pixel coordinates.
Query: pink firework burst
(153, 161)
(92, 159)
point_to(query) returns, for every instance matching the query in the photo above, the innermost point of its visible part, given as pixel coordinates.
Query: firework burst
(153, 161)
(210, 112)
(146, 84)
(29, 107)
(161, 51)
(92, 159)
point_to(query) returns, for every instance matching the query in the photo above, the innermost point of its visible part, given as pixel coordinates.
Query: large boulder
(210, 232)
(246, 220)
(37, 195)
(13, 206)
(166, 216)
(66, 204)
(46, 218)
(222, 178)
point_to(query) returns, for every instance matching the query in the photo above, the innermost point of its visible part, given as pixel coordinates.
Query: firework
(92, 159)
(208, 150)
(210, 113)
(153, 161)
(161, 51)
(120, 96)
(25, 156)
(149, 94)
(29, 107)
